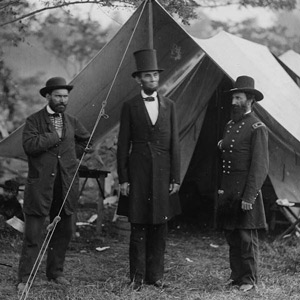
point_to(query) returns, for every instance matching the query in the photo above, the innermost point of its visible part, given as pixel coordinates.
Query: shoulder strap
(258, 124)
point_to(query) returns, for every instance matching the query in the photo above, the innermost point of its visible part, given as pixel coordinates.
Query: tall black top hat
(245, 84)
(145, 61)
(55, 83)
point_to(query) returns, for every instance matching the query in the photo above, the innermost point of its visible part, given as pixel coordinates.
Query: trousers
(243, 255)
(34, 232)
(146, 252)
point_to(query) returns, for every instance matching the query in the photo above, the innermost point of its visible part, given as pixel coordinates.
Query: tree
(13, 11)
(73, 41)
(278, 37)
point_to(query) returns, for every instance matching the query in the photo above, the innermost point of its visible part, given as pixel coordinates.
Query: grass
(196, 265)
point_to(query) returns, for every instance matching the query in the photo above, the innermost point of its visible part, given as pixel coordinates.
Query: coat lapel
(161, 108)
(141, 112)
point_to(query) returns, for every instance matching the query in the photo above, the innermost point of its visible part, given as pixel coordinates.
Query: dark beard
(237, 113)
(149, 91)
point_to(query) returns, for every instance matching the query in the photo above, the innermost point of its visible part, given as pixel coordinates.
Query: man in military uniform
(245, 163)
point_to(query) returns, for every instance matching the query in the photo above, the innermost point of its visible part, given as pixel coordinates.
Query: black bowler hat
(145, 61)
(245, 84)
(55, 83)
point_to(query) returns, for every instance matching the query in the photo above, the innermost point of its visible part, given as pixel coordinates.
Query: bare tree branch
(275, 4)
(35, 12)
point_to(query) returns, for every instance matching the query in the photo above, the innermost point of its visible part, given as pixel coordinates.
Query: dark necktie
(149, 99)
(55, 115)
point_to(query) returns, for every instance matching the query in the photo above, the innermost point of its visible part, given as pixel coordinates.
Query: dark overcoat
(48, 154)
(149, 159)
(245, 163)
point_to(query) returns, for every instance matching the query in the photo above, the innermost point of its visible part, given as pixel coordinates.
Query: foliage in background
(10, 11)
(277, 37)
(74, 41)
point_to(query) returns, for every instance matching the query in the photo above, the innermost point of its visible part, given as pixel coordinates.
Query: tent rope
(51, 227)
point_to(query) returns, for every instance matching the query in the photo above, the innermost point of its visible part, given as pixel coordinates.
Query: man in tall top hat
(52, 141)
(245, 162)
(149, 171)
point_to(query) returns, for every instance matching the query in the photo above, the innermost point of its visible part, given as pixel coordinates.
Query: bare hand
(246, 206)
(174, 188)
(124, 188)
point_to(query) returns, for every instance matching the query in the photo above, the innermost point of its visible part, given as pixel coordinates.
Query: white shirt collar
(50, 110)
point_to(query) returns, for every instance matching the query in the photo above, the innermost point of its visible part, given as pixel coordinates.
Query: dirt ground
(196, 266)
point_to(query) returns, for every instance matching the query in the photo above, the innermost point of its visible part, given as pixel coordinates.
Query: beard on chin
(237, 113)
(149, 91)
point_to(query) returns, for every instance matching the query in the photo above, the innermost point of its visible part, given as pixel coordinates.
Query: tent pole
(150, 25)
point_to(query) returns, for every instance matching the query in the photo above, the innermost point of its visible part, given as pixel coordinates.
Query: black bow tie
(149, 99)
(55, 115)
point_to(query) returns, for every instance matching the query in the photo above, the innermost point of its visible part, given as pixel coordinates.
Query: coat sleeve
(259, 163)
(124, 143)
(36, 142)
(175, 148)
(82, 136)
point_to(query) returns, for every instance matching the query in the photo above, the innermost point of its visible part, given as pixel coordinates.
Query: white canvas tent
(291, 62)
(196, 74)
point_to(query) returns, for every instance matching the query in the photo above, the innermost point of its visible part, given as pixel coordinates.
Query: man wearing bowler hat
(245, 163)
(52, 140)
(149, 171)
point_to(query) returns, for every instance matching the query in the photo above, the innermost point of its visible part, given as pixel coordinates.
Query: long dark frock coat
(48, 154)
(149, 159)
(245, 163)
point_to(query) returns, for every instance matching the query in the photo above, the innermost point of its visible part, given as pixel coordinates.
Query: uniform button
(224, 160)
(229, 161)
(224, 166)
(52, 174)
(229, 167)
(58, 156)
(231, 146)
(230, 151)
(237, 131)
(223, 150)
(233, 141)
(228, 172)
(224, 171)
(243, 123)
(228, 131)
